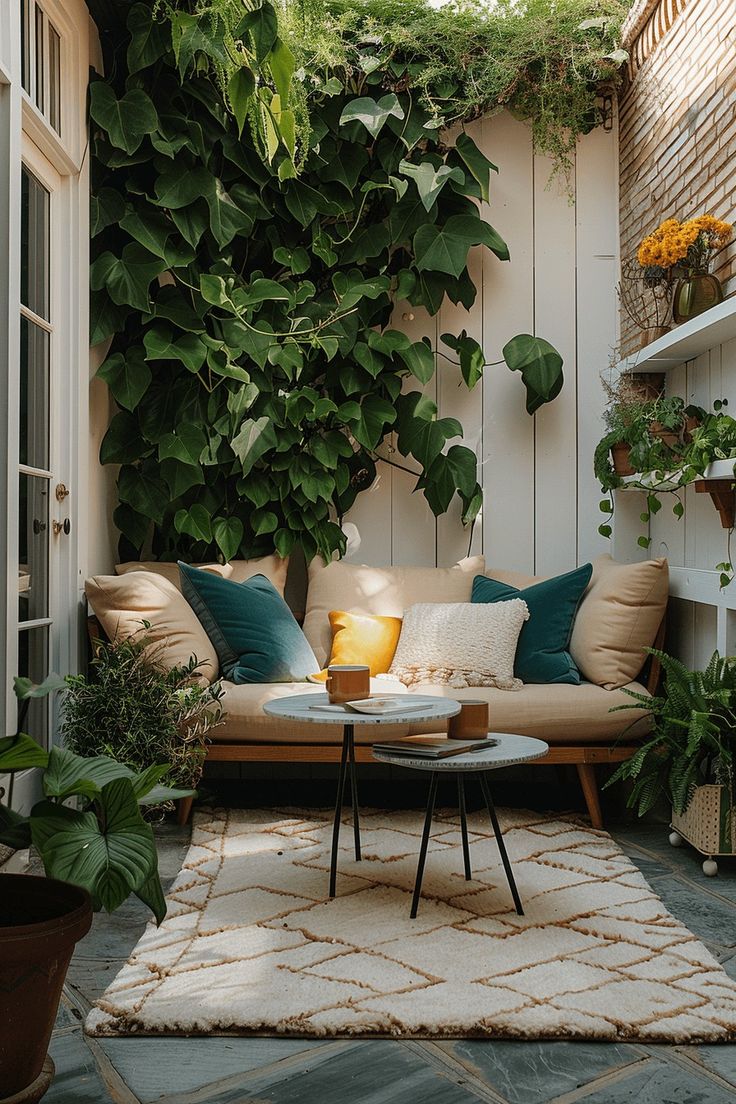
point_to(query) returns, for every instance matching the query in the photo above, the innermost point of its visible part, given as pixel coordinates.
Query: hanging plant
(248, 308)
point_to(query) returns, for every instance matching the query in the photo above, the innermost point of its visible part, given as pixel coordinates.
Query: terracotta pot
(651, 334)
(666, 436)
(647, 385)
(695, 294)
(41, 920)
(621, 459)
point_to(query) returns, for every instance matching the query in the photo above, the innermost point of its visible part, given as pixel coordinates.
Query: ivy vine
(248, 290)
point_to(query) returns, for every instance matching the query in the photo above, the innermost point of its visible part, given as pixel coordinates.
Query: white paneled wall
(540, 512)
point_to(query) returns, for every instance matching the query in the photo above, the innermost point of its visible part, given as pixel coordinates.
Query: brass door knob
(61, 492)
(64, 526)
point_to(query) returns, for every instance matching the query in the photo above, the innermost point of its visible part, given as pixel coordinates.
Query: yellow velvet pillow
(363, 638)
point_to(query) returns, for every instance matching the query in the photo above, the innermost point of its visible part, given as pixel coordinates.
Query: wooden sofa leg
(183, 809)
(586, 774)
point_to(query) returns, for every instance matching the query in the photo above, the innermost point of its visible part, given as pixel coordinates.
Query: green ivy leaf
(430, 179)
(240, 90)
(368, 425)
(421, 433)
(472, 358)
(145, 493)
(122, 443)
(445, 249)
(262, 25)
(127, 377)
(195, 521)
(150, 229)
(105, 209)
(476, 162)
(228, 534)
(189, 349)
(256, 436)
(148, 41)
(540, 365)
(186, 445)
(371, 113)
(419, 359)
(127, 120)
(127, 279)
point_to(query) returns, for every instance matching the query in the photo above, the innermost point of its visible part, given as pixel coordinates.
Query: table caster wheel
(710, 868)
(676, 839)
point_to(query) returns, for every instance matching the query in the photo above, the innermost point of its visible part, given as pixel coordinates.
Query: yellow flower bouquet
(686, 246)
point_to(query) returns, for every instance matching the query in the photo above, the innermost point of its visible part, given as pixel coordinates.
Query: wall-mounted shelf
(717, 480)
(685, 342)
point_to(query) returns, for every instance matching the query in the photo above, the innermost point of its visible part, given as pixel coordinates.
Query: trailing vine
(247, 275)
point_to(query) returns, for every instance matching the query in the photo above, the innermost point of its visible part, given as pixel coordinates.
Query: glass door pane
(34, 260)
(33, 663)
(33, 549)
(34, 390)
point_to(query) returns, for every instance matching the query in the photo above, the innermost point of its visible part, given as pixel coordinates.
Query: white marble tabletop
(509, 749)
(302, 707)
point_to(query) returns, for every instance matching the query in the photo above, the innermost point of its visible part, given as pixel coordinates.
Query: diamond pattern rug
(252, 944)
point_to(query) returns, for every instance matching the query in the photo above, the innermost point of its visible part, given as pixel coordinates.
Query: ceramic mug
(346, 683)
(471, 723)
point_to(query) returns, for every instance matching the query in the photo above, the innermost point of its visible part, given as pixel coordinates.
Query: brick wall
(677, 124)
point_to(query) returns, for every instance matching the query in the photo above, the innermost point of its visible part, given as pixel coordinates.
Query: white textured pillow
(460, 644)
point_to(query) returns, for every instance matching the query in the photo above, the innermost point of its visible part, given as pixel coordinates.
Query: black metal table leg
(431, 797)
(464, 825)
(347, 731)
(354, 791)
(499, 840)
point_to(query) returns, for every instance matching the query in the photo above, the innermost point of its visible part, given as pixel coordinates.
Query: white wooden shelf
(685, 342)
(642, 481)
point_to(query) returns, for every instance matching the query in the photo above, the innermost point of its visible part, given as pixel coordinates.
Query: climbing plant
(247, 286)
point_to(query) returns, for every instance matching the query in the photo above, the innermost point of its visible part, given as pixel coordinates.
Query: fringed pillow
(460, 644)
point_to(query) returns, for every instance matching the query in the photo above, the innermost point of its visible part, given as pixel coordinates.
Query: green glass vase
(694, 294)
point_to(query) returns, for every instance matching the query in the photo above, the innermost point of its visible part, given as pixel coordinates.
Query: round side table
(509, 749)
(305, 708)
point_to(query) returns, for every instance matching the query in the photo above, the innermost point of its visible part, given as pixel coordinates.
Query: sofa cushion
(618, 619)
(388, 591)
(121, 603)
(460, 643)
(559, 714)
(542, 654)
(364, 638)
(254, 631)
(273, 567)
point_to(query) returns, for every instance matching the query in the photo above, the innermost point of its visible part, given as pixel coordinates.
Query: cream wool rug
(252, 945)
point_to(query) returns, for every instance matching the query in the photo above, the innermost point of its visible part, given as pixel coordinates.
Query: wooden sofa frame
(585, 757)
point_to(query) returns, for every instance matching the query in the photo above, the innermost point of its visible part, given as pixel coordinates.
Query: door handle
(38, 526)
(64, 526)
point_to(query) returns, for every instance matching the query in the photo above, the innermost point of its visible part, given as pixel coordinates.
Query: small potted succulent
(688, 758)
(96, 852)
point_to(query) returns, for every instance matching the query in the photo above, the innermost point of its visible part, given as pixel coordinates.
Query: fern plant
(693, 734)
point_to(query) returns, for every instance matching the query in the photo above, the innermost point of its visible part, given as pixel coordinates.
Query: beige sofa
(620, 615)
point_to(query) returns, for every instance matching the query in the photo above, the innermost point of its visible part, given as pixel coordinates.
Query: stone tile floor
(287, 1071)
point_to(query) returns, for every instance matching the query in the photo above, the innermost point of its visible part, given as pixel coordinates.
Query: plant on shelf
(683, 251)
(667, 446)
(691, 744)
(139, 713)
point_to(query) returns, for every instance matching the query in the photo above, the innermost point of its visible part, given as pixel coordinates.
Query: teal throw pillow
(254, 633)
(542, 655)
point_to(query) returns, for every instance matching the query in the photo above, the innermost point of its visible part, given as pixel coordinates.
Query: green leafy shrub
(693, 736)
(129, 709)
(248, 308)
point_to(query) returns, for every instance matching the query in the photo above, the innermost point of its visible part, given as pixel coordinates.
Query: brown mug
(471, 723)
(348, 683)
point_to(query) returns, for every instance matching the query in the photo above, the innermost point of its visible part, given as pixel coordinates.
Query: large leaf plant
(247, 277)
(101, 842)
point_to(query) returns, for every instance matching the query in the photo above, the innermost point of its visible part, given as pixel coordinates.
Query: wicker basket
(707, 823)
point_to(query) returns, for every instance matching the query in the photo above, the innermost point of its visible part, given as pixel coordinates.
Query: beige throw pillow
(618, 619)
(386, 591)
(460, 644)
(121, 603)
(273, 567)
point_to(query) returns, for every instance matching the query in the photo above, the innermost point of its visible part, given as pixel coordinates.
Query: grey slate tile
(77, 1080)
(708, 917)
(535, 1072)
(719, 1059)
(661, 1083)
(367, 1072)
(153, 1068)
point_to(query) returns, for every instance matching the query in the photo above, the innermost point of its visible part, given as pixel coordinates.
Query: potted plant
(685, 250)
(140, 712)
(96, 853)
(688, 758)
(643, 432)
